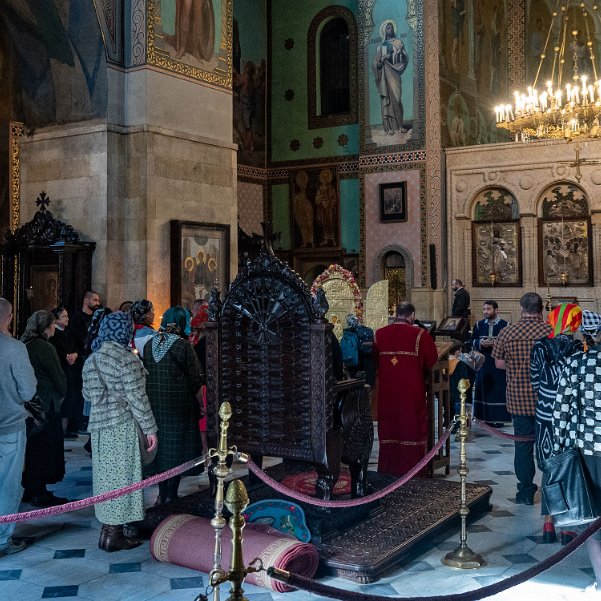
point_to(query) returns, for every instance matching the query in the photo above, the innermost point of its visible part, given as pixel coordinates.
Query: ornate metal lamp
(565, 109)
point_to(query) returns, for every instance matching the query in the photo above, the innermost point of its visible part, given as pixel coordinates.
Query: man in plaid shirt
(511, 352)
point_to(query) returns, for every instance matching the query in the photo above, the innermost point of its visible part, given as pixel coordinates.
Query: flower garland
(336, 271)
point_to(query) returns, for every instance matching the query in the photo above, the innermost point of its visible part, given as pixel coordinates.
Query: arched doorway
(394, 268)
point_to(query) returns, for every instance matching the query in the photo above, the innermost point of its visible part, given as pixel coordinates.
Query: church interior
(401, 143)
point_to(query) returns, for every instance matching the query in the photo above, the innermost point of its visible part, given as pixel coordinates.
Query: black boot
(102, 539)
(113, 539)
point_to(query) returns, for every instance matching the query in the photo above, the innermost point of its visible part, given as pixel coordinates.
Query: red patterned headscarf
(197, 321)
(564, 319)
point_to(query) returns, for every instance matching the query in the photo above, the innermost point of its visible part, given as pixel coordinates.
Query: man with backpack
(356, 345)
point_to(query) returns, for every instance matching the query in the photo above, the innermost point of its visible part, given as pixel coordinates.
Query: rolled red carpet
(187, 540)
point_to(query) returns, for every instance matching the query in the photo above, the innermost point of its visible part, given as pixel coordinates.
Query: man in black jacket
(461, 300)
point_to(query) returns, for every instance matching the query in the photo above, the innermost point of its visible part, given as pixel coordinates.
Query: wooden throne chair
(269, 354)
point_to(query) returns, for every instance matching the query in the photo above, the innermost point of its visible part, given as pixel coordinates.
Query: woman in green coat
(173, 384)
(44, 453)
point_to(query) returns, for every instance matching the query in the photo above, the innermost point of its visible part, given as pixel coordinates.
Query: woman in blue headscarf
(114, 382)
(173, 385)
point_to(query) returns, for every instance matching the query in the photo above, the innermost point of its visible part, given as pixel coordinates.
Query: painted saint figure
(194, 28)
(303, 210)
(326, 201)
(389, 65)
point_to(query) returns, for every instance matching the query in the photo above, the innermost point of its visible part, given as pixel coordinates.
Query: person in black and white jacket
(577, 418)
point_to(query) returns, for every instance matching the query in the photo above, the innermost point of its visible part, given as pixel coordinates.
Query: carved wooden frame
(543, 279)
(482, 279)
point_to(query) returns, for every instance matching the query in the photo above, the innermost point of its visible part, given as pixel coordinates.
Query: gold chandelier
(563, 109)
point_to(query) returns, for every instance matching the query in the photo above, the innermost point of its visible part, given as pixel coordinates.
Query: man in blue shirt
(17, 385)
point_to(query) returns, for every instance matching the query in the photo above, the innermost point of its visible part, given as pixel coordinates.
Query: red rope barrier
(107, 496)
(306, 584)
(257, 471)
(500, 434)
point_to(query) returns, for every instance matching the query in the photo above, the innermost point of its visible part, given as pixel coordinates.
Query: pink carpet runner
(188, 541)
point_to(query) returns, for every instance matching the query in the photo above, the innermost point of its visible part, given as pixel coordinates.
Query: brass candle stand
(463, 557)
(220, 471)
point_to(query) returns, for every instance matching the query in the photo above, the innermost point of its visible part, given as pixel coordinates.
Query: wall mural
(249, 80)
(539, 20)
(458, 120)
(314, 205)
(192, 38)
(393, 73)
(58, 64)
(473, 69)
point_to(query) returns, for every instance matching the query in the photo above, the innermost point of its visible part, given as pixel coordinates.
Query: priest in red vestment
(403, 353)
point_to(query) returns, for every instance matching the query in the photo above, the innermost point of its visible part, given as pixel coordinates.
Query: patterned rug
(305, 483)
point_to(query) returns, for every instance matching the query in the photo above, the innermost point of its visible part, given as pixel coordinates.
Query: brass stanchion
(221, 470)
(463, 557)
(236, 501)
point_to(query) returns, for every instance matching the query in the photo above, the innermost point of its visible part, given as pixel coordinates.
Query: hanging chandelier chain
(561, 110)
(589, 41)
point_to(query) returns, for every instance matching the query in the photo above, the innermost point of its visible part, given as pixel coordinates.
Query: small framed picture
(200, 259)
(393, 202)
(452, 325)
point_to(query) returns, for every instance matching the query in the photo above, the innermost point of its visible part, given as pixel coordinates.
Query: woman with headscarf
(66, 347)
(173, 385)
(44, 453)
(548, 358)
(576, 421)
(142, 312)
(114, 382)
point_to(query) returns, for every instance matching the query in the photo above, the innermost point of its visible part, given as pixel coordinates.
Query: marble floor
(63, 560)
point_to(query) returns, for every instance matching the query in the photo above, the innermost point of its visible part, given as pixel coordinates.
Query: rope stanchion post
(236, 501)
(220, 471)
(463, 557)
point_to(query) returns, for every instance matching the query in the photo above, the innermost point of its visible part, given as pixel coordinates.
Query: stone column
(529, 251)
(596, 239)
(434, 189)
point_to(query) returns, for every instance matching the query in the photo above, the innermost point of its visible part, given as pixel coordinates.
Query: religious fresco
(192, 38)
(473, 43)
(59, 66)
(392, 59)
(249, 72)
(473, 69)
(458, 120)
(315, 208)
(537, 27)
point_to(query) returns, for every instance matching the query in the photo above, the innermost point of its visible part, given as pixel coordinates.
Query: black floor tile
(190, 582)
(67, 553)
(52, 592)
(120, 568)
(10, 574)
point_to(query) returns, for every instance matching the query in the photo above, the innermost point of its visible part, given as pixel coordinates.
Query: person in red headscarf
(548, 358)
(200, 314)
